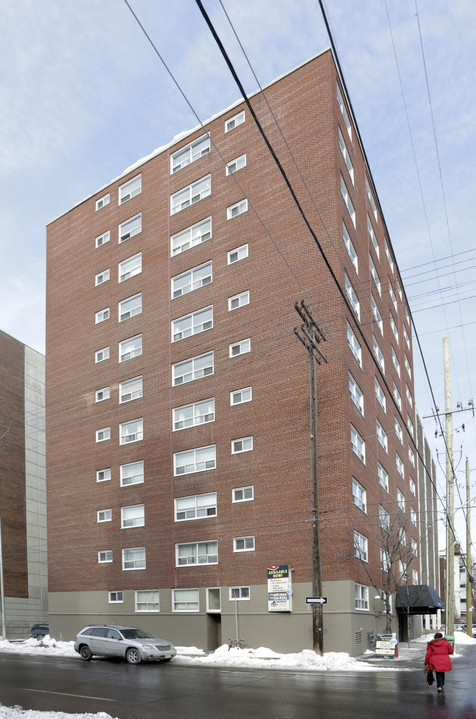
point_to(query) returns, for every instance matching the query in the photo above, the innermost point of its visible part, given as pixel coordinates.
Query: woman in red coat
(438, 658)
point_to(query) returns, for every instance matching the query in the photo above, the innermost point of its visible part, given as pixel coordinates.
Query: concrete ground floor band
(217, 618)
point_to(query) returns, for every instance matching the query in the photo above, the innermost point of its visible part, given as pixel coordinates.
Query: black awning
(418, 599)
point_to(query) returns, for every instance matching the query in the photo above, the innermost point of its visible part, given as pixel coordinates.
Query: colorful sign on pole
(279, 588)
(386, 645)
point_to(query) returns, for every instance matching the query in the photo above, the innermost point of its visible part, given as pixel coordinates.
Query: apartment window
(102, 239)
(239, 300)
(190, 195)
(133, 558)
(101, 355)
(240, 253)
(243, 544)
(406, 337)
(102, 435)
(373, 237)
(192, 324)
(195, 553)
(395, 362)
(382, 436)
(240, 396)
(370, 198)
(410, 425)
(101, 394)
(101, 277)
(130, 267)
(412, 486)
(354, 345)
(195, 460)
(191, 236)
(376, 314)
(358, 444)
(359, 495)
(397, 397)
(346, 156)
(130, 227)
(409, 395)
(130, 389)
(415, 577)
(244, 444)
(400, 500)
(131, 431)
(130, 307)
(192, 152)
(103, 475)
(361, 597)
(384, 518)
(239, 348)
(343, 109)
(132, 473)
(398, 430)
(379, 355)
(243, 494)
(193, 414)
(132, 516)
(104, 515)
(411, 456)
(130, 189)
(105, 556)
(399, 289)
(382, 477)
(101, 315)
(185, 600)
(192, 369)
(380, 395)
(408, 367)
(356, 394)
(238, 593)
(235, 121)
(392, 295)
(384, 560)
(132, 347)
(347, 199)
(116, 597)
(237, 209)
(147, 600)
(352, 296)
(407, 315)
(361, 546)
(413, 516)
(191, 280)
(236, 165)
(394, 328)
(402, 536)
(199, 506)
(399, 464)
(375, 277)
(351, 251)
(103, 201)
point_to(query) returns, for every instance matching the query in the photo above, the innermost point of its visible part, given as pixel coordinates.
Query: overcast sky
(83, 96)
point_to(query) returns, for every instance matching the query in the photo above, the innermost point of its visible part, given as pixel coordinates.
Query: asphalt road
(149, 691)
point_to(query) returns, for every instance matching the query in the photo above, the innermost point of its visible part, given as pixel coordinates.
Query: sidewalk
(410, 658)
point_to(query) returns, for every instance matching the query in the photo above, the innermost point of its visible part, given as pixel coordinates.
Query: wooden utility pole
(310, 334)
(450, 485)
(469, 563)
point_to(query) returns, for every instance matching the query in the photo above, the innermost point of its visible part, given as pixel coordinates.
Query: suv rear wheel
(133, 656)
(85, 653)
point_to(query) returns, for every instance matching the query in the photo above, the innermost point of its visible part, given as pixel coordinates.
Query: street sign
(316, 600)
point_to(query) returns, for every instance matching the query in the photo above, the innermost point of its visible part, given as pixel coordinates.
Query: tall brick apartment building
(178, 395)
(22, 486)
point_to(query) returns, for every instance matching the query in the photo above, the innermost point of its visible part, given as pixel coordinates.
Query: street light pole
(450, 550)
(469, 585)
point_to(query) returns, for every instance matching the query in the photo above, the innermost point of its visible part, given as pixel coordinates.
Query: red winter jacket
(437, 655)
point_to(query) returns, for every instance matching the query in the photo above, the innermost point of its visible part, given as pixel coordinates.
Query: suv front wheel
(133, 656)
(85, 653)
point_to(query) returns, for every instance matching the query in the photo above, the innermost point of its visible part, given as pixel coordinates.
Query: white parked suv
(132, 644)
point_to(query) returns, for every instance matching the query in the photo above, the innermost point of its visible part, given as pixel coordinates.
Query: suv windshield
(136, 634)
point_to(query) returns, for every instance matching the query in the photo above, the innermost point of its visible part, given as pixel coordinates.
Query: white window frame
(103, 515)
(194, 373)
(373, 237)
(371, 199)
(382, 437)
(241, 396)
(389, 255)
(410, 425)
(357, 443)
(195, 465)
(195, 414)
(191, 153)
(375, 275)
(396, 362)
(234, 121)
(136, 351)
(103, 201)
(211, 553)
(102, 394)
(234, 165)
(102, 315)
(352, 296)
(136, 478)
(239, 253)
(347, 200)
(130, 267)
(136, 436)
(191, 280)
(361, 546)
(394, 328)
(361, 597)
(354, 345)
(378, 354)
(244, 544)
(129, 189)
(406, 337)
(200, 506)
(136, 563)
(384, 560)
(400, 500)
(148, 604)
(350, 249)
(130, 389)
(190, 194)
(346, 155)
(359, 495)
(345, 115)
(411, 456)
(136, 307)
(413, 516)
(239, 594)
(380, 395)
(238, 208)
(408, 367)
(384, 518)
(103, 434)
(398, 430)
(102, 277)
(115, 597)
(244, 347)
(105, 556)
(376, 313)
(249, 490)
(129, 228)
(190, 604)
(101, 355)
(356, 394)
(382, 476)
(409, 395)
(103, 475)
(392, 295)
(137, 518)
(191, 325)
(412, 486)
(243, 444)
(240, 300)
(191, 237)
(102, 239)
(397, 397)
(400, 465)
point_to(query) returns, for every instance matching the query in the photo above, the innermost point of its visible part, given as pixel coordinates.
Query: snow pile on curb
(19, 713)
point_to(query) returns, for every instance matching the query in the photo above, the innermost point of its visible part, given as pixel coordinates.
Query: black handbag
(429, 675)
